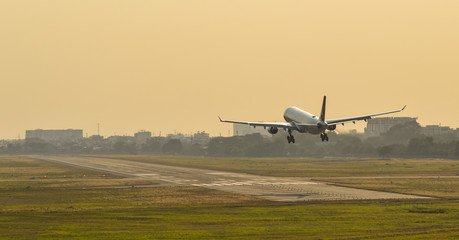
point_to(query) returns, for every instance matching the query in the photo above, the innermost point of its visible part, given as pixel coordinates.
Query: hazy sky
(176, 65)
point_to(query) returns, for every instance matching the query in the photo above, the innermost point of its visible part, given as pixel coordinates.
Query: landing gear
(324, 137)
(290, 137)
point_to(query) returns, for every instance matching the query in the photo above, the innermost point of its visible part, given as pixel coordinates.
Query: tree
(152, 145)
(172, 146)
(391, 150)
(423, 146)
(196, 150)
(402, 133)
(456, 150)
(122, 146)
(38, 145)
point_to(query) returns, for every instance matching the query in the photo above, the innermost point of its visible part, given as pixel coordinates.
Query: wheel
(293, 140)
(288, 139)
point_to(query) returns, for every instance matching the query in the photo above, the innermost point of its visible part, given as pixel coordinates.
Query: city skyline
(348, 127)
(176, 66)
(240, 130)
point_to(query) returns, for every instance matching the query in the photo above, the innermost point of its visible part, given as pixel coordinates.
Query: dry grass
(100, 183)
(49, 199)
(81, 183)
(21, 168)
(189, 196)
(434, 187)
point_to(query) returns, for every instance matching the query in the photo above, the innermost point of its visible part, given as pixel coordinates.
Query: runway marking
(146, 174)
(250, 183)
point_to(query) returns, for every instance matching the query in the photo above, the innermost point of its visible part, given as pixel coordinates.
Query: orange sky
(176, 65)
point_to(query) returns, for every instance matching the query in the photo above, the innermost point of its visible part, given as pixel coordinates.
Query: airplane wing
(359, 118)
(283, 125)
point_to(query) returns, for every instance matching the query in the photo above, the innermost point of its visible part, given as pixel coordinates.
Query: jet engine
(273, 130)
(331, 127)
(321, 125)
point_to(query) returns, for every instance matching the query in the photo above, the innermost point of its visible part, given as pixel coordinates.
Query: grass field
(197, 213)
(53, 210)
(16, 167)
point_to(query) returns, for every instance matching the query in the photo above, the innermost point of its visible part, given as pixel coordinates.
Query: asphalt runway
(272, 188)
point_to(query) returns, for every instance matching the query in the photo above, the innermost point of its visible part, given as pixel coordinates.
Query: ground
(80, 204)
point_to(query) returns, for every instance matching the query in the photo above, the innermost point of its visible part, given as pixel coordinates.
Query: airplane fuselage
(297, 115)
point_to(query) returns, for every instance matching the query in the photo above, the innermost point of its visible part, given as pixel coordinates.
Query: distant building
(142, 137)
(242, 130)
(377, 126)
(179, 136)
(69, 135)
(432, 130)
(201, 138)
(126, 139)
(96, 138)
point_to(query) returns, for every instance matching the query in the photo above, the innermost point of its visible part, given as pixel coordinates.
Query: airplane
(304, 122)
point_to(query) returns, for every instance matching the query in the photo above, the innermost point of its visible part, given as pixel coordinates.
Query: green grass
(308, 167)
(141, 214)
(50, 209)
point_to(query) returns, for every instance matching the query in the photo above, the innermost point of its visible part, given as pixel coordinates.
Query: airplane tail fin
(322, 112)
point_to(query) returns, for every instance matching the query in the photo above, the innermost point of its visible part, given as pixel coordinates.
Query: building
(142, 137)
(432, 130)
(243, 129)
(179, 136)
(117, 138)
(66, 135)
(377, 126)
(201, 138)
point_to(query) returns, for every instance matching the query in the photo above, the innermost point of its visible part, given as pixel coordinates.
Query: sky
(174, 66)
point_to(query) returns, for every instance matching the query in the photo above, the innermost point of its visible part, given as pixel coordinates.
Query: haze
(176, 65)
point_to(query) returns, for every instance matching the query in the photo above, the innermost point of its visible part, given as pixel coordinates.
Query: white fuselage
(296, 115)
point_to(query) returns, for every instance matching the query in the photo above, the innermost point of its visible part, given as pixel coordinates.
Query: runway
(272, 188)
